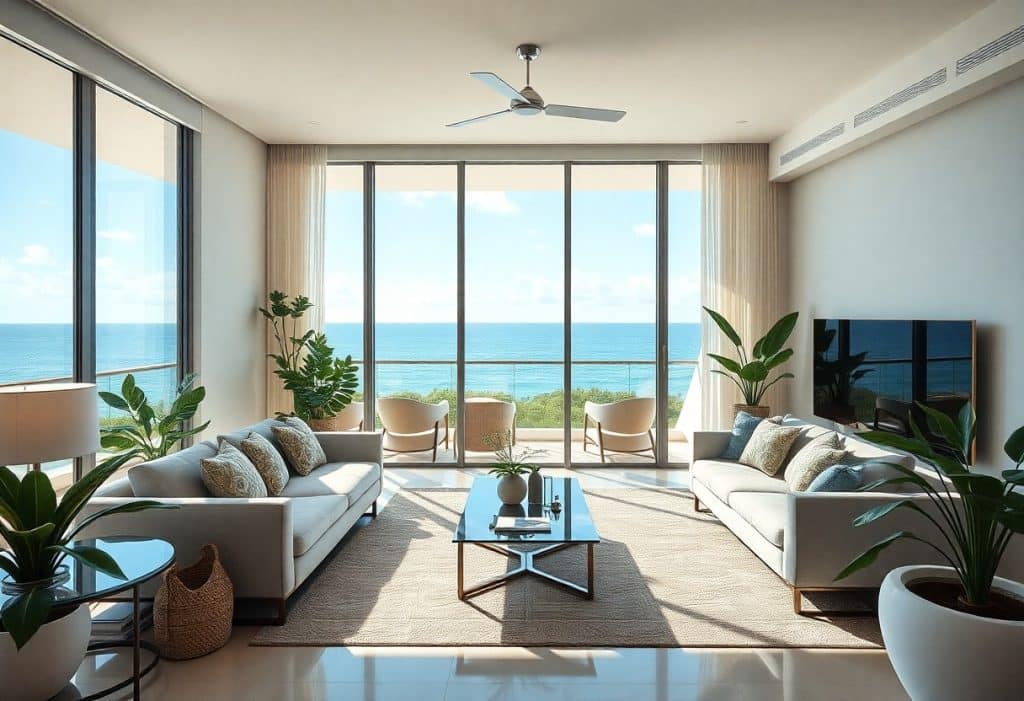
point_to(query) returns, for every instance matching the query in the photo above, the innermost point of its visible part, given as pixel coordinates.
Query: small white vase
(48, 661)
(940, 654)
(511, 489)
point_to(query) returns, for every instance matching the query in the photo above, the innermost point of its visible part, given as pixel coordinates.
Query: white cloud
(117, 235)
(35, 254)
(104, 262)
(417, 198)
(643, 230)
(491, 202)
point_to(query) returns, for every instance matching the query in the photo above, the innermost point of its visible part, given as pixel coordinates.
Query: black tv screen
(874, 372)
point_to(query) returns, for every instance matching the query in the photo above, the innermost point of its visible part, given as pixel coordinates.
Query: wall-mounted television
(872, 373)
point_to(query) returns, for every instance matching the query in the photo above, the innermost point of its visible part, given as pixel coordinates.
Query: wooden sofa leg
(797, 602)
(696, 505)
(282, 612)
(373, 509)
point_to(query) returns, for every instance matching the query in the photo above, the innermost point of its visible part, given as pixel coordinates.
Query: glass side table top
(572, 525)
(139, 558)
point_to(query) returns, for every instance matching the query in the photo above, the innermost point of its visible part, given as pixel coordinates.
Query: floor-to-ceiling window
(90, 202)
(416, 308)
(514, 308)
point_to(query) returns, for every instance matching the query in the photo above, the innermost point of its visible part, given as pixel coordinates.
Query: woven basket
(193, 609)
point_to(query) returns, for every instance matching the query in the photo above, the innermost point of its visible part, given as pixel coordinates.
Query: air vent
(990, 50)
(896, 99)
(822, 138)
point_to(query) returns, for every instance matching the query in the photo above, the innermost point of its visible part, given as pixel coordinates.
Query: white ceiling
(395, 71)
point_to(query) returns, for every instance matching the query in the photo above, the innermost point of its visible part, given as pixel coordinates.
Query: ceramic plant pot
(48, 661)
(511, 489)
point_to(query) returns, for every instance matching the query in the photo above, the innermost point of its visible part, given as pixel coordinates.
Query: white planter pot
(48, 661)
(944, 655)
(511, 489)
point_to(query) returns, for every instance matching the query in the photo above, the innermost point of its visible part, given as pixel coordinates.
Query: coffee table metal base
(526, 566)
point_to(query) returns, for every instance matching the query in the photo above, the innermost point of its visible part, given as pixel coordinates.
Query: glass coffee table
(572, 526)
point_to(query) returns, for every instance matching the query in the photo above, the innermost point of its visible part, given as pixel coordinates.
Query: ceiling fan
(527, 102)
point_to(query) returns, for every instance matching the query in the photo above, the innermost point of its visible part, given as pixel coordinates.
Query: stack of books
(113, 619)
(522, 524)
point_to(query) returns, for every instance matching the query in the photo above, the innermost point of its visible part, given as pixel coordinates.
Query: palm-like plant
(40, 532)
(976, 515)
(750, 372)
(322, 384)
(150, 434)
(508, 462)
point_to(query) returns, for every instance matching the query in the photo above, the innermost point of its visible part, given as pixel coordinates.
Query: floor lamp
(44, 422)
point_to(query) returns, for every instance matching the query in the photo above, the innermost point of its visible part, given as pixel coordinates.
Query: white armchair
(411, 426)
(620, 427)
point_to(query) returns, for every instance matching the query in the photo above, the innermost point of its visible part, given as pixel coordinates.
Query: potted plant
(42, 643)
(150, 433)
(750, 372)
(834, 379)
(933, 616)
(322, 384)
(510, 466)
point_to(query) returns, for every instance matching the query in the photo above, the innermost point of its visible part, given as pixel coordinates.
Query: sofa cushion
(299, 445)
(350, 479)
(312, 517)
(263, 428)
(723, 478)
(742, 429)
(765, 512)
(808, 432)
(769, 446)
(817, 456)
(268, 462)
(231, 474)
(838, 478)
(177, 475)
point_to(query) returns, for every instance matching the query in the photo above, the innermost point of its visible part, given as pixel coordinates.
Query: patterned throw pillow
(742, 430)
(300, 445)
(838, 478)
(268, 462)
(230, 474)
(814, 458)
(768, 446)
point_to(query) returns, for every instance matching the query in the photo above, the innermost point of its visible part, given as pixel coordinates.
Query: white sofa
(269, 546)
(808, 537)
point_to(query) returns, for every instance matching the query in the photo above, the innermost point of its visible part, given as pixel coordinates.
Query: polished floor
(239, 671)
(549, 452)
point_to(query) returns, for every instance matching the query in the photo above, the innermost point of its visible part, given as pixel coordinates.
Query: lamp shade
(44, 422)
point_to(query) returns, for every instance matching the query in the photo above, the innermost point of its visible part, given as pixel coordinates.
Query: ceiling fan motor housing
(526, 109)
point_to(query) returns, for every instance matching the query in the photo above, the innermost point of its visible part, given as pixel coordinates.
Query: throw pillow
(768, 446)
(300, 445)
(814, 458)
(268, 462)
(230, 474)
(838, 478)
(742, 430)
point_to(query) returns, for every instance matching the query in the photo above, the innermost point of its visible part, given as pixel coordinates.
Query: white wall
(927, 224)
(229, 341)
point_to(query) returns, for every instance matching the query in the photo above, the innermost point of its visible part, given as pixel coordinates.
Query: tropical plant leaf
(868, 557)
(95, 558)
(1014, 520)
(81, 491)
(26, 613)
(117, 441)
(778, 335)
(725, 327)
(1014, 446)
(8, 565)
(754, 371)
(36, 500)
(944, 425)
(728, 363)
(968, 426)
(778, 359)
(873, 514)
(1014, 476)
(114, 401)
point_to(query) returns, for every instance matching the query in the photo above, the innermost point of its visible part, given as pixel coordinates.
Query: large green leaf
(945, 426)
(754, 371)
(968, 426)
(725, 326)
(1014, 446)
(24, 615)
(114, 400)
(778, 359)
(1014, 476)
(117, 441)
(868, 557)
(8, 565)
(728, 363)
(36, 500)
(778, 335)
(1014, 520)
(79, 493)
(93, 557)
(9, 486)
(873, 514)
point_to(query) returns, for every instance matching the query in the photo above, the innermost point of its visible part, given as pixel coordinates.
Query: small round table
(140, 559)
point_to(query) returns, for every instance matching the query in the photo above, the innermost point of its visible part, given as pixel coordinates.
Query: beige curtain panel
(296, 188)
(745, 273)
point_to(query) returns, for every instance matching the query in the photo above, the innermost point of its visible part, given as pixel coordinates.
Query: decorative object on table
(509, 466)
(936, 621)
(39, 533)
(193, 609)
(750, 372)
(556, 506)
(834, 377)
(522, 524)
(147, 433)
(535, 486)
(321, 384)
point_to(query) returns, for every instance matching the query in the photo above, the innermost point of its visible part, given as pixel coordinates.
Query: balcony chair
(486, 417)
(411, 426)
(622, 427)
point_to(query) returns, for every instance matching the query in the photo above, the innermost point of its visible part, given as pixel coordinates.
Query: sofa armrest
(709, 444)
(820, 538)
(353, 446)
(254, 537)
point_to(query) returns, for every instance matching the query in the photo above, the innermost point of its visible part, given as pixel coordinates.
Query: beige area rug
(665, 577)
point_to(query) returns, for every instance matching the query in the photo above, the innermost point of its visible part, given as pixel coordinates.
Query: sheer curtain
(744, 266)
(296, 189)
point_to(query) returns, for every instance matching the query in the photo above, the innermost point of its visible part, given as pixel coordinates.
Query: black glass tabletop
(139, 558)
(573, 524)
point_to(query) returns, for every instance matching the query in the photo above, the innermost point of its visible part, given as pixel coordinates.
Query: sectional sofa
(807, 537)
(269, 546)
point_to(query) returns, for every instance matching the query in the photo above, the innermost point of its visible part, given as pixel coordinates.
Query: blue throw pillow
(838, 478)
(742, 430)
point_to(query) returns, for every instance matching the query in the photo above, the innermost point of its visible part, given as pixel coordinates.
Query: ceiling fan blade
(481, 118)
(496, 83)
(584, 113)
